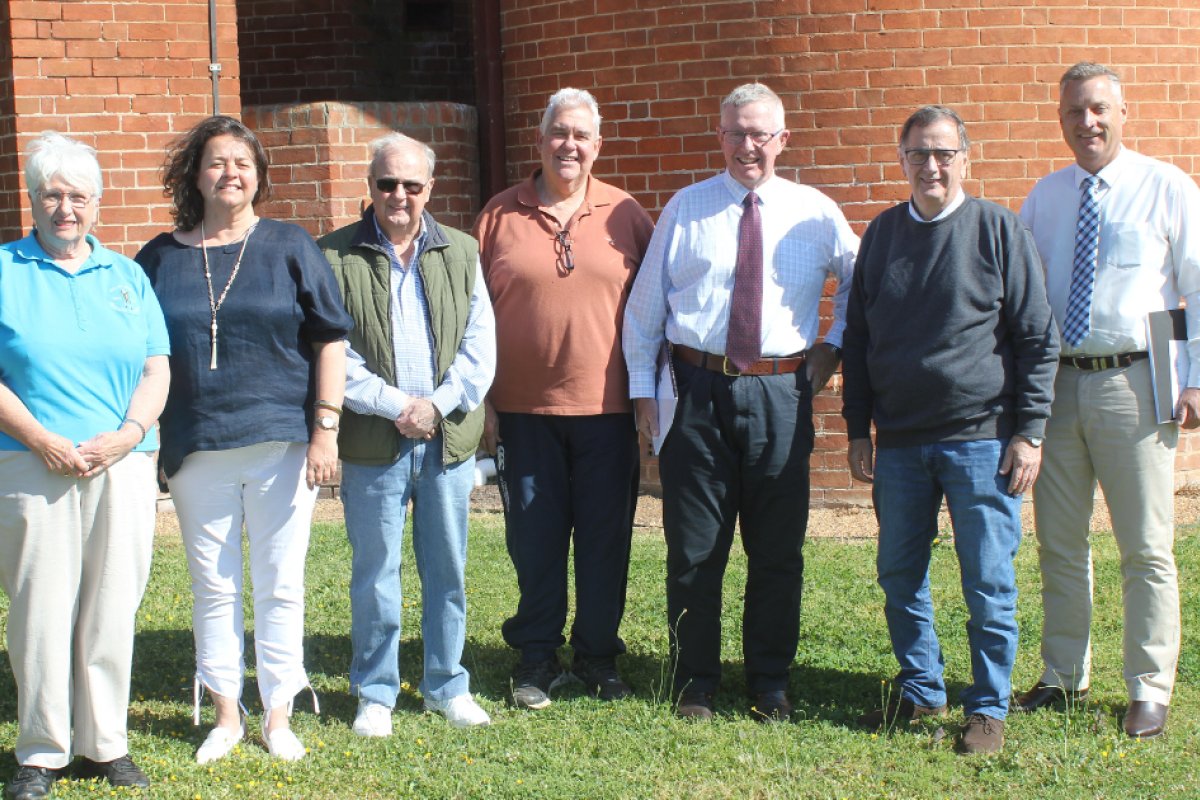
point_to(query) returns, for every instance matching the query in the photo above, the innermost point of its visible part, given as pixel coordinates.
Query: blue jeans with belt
(909, 485)
(376, 499)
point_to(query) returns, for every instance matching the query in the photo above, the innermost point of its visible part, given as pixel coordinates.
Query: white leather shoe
(461, 711)
(283, 744)
(373, 720)
(219, 743)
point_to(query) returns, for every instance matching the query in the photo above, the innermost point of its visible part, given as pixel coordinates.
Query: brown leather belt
(767, 366)
(1092, 363)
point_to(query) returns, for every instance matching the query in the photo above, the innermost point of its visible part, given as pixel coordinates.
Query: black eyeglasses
(388, 185)
(564, 239)
(758, 137)
(918, 158)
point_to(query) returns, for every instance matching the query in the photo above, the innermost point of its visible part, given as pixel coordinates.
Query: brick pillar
(126, 78)
(319, 158)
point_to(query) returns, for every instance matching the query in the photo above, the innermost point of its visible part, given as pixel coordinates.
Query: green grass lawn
(582, 748)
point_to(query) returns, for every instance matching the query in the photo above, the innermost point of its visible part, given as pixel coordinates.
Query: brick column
(319, 158)
(126, 78)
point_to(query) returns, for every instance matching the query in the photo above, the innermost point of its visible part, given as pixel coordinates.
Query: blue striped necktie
(1083, 275)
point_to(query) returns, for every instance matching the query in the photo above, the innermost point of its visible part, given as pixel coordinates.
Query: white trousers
(74, 560)
(215, 493)
(1103, 427)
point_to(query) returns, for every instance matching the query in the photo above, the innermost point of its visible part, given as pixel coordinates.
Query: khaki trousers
(74, 560)
(1102, 427)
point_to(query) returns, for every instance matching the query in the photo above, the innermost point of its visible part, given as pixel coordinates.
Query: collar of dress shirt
(390, 249)
(765, 190)
(1108, 176)
(958, 200)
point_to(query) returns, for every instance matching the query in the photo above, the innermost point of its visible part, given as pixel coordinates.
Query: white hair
(749, 93)
(398, 141)
(568, 98)
(53, 155)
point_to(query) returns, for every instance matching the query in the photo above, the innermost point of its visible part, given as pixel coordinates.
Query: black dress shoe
(31, 783)
(1144, 719)
(118, 772)
(1042, 695)
(695, 705)
(771, 707)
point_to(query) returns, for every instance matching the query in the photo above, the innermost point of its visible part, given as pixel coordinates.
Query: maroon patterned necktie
(743, 345)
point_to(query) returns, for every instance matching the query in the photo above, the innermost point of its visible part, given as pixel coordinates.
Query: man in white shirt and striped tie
(1119, 237)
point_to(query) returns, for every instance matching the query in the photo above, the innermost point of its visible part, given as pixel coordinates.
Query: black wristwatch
(837, 351)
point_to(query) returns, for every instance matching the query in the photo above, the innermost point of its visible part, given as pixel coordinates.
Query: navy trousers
(738, 449)
(564, 478)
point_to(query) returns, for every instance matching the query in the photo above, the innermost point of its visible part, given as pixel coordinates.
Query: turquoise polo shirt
(72, 347)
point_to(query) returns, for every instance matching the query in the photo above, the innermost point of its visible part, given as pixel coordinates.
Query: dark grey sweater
(949, 336)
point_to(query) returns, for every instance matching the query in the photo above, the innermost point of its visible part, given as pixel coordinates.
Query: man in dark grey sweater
(951, 350)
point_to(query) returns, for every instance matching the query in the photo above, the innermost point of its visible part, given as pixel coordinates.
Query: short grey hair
(398, 141)
(749, 93)
(53, 155)
(1085, 71)
(566, 99)
(931, 115)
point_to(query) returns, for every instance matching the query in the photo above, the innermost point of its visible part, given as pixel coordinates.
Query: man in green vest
(422, 358)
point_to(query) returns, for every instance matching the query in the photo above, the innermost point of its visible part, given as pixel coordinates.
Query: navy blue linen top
(283, 299)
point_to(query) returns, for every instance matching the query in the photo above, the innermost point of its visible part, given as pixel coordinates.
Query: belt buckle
(725, 366)
(1097, 363)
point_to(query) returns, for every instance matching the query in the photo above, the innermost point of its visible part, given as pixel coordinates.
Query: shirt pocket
(1135, 244)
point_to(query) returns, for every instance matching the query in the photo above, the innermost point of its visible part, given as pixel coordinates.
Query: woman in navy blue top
(250, 428)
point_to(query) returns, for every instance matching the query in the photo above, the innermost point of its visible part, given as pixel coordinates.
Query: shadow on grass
(840, 696)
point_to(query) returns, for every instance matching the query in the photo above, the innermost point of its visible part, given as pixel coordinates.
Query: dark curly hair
(182, 168)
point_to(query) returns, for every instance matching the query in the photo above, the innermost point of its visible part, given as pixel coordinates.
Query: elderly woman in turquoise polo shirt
(83, 378)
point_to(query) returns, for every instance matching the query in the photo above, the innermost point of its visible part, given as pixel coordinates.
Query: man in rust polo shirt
(559, 254)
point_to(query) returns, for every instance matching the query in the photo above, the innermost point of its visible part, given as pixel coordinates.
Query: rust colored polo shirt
(558, 319)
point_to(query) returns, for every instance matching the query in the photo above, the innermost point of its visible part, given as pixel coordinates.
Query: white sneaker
(283, 744)
(373, 720)
(219, 743)
(461, 711)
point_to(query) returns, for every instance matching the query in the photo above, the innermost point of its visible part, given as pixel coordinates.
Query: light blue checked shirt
(685, 285)
(1149, 254)
(469, 376)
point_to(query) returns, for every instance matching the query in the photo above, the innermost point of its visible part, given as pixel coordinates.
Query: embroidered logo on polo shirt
(122, 298)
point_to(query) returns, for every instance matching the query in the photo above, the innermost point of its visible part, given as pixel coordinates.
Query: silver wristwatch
(327, 423)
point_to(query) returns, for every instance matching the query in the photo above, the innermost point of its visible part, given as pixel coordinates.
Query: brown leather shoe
(981, 734)
(695, 705)
(771, 707)
(902, 710)
(1144, 719)
(1042, 695)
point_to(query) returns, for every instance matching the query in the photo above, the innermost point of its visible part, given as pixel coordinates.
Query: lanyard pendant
(212, 364)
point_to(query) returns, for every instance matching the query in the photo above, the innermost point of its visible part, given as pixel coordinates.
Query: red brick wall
(126, 78)
(304, 51)
(849, 73)
(319, 158)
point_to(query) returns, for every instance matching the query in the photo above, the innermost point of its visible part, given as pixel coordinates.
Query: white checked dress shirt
(468, 377)
(685, 285)
(1149, 252)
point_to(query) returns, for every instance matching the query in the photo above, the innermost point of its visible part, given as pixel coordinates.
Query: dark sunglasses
(388, 185)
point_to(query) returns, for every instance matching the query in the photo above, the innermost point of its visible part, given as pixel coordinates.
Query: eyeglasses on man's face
(388, 185)
(919, 157)
(52, 200)
(758, 137)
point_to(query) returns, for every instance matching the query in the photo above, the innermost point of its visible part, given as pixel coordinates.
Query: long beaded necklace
(215, 305)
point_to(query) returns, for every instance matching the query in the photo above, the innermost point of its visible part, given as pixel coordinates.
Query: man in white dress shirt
(733, 280)
(1119, 237)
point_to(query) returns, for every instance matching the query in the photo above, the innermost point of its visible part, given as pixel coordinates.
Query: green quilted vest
(363, 272)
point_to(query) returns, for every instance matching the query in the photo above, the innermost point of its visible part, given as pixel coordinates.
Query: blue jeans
(376, 499)
(909, 485)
